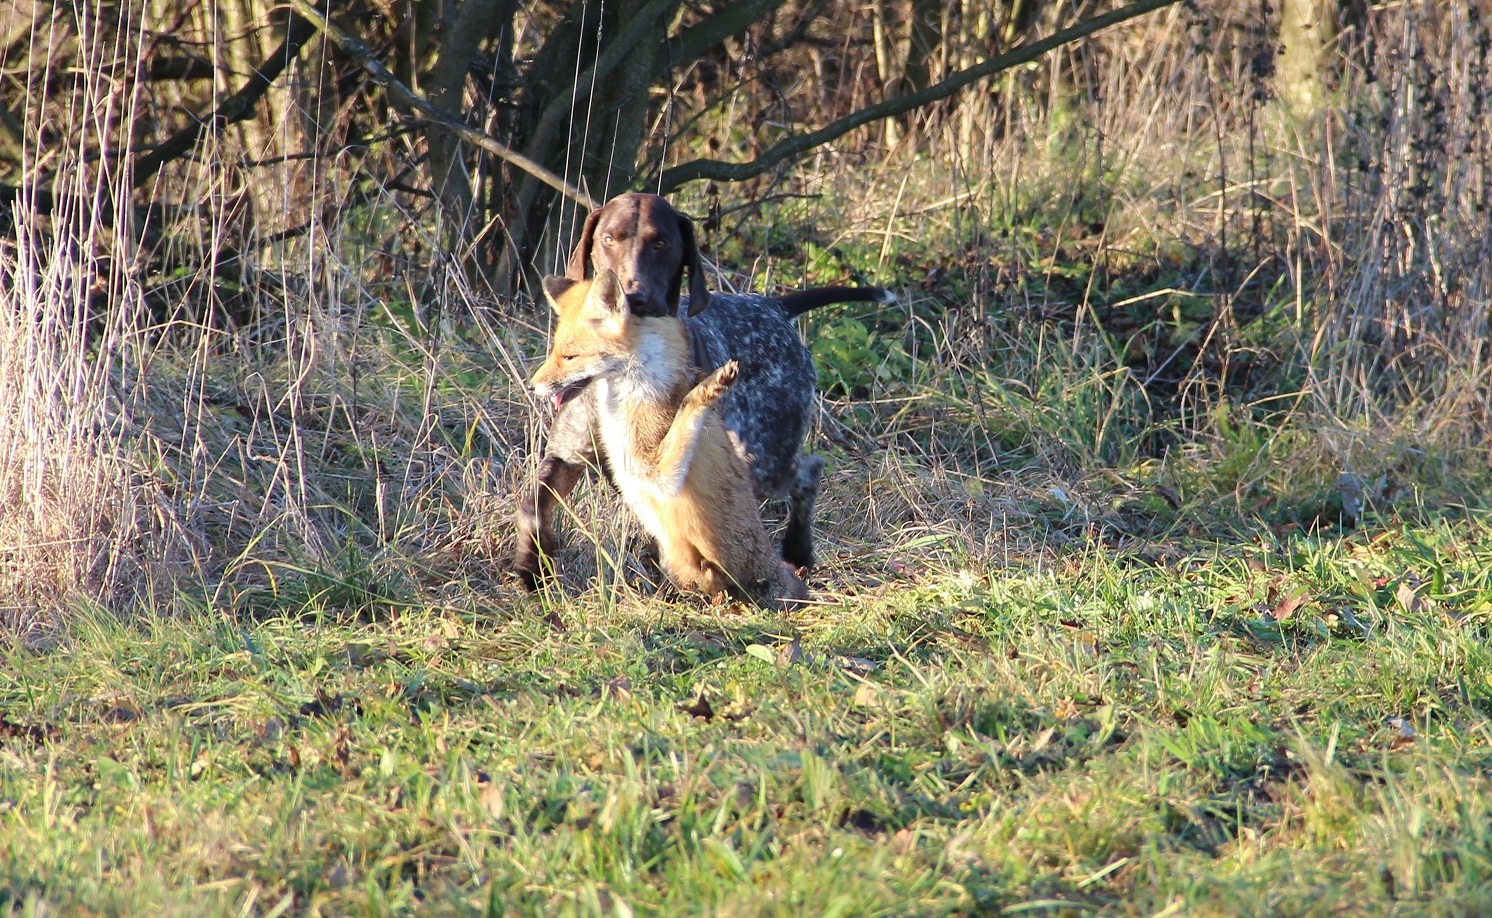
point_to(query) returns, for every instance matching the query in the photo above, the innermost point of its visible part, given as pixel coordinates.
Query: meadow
(1156, 565)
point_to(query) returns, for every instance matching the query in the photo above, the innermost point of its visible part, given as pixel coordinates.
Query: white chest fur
(648, 476)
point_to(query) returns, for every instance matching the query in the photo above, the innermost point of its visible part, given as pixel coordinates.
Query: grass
(1099, 735)
(1155, 552)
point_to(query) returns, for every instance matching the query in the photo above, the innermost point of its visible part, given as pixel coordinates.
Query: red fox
(668, 451)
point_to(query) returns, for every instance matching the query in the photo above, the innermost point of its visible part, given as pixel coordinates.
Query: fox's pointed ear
(606, 294)
(555, 288)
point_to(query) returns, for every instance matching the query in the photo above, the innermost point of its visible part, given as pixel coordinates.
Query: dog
(669, 454)
(650, 247)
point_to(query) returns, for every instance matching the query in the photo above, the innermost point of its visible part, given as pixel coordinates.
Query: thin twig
(405, 96)
(797, 144)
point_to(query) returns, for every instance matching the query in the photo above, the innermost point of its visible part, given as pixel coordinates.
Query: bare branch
(798, 144)
(561, 106)
(236, 107)
(707, 33)
(407, 97)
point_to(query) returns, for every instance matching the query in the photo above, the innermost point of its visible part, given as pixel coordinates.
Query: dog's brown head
(649, 245)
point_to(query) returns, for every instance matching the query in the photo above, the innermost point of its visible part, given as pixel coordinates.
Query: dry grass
(1153, 571)
(1175, 311)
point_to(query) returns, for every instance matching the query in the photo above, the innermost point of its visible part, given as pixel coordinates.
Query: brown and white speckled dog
(767, 412)
(669, 454)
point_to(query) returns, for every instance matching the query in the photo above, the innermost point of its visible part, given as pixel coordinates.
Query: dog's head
(648, 245)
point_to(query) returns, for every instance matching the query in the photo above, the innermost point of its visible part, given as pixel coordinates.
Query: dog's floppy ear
(581, 257)
(699, 297)
(555, 287)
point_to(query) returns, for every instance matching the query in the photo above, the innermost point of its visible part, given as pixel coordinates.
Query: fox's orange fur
(670, 455)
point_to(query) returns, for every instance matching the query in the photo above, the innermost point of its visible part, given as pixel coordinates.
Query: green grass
(1091, 734)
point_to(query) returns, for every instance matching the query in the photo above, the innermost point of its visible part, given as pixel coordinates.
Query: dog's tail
(795, 304)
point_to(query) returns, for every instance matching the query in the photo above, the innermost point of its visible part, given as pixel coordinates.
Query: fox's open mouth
(568, 393)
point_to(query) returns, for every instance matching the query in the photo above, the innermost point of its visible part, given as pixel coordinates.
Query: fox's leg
(676, 452)
(571, 448)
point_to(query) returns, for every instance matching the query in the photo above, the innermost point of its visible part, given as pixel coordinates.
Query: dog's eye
(661, 244)
(608, 239)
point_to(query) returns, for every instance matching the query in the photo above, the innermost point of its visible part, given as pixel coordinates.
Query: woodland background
(1234, 217)
(1155, 550)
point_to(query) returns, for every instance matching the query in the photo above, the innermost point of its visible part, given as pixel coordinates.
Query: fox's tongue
(559, 399)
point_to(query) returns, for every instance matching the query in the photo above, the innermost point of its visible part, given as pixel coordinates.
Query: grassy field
(1156, 557)
(1294, 725)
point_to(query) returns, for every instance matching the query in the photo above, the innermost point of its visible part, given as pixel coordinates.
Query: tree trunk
(598, 147)
(1308, 33)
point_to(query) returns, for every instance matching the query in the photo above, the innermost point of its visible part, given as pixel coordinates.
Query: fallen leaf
(1404, 727)
(761, 652)
(868, 695)
(1065, 709)
(903, 841)
(791, 652)
(123, 712)
(703, 641)
(619, 687)
(362, 655)
(1408, 599)
(492, 801)
(1286, 607)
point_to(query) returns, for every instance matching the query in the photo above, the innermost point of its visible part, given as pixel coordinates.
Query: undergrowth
(1154, 551)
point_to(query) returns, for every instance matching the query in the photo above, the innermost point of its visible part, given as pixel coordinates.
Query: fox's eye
(566, 358)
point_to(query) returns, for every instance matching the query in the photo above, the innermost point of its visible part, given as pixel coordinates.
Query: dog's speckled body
(767, 412)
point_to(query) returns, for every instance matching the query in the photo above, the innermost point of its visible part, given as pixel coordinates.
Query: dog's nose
(636, 300)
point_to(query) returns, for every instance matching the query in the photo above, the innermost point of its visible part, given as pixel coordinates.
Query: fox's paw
(726, 376)
(717, 383)
(720, 381)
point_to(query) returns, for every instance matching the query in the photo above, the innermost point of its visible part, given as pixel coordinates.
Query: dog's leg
(797, 537)
(572, 448)
(556, 479)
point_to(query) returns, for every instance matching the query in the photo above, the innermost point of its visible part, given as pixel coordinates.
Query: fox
(670, 455)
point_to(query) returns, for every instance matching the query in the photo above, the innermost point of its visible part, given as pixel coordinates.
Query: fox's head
(592, 335)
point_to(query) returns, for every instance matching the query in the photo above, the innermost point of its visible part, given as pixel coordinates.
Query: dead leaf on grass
(706, 642)
(361, 656)
(858, 664)
(492, 800)
(1409, 600)
(903, 841)
(1404, 733)
(121, 712)
(618, 687)
(791, 652)
(1287, 607)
